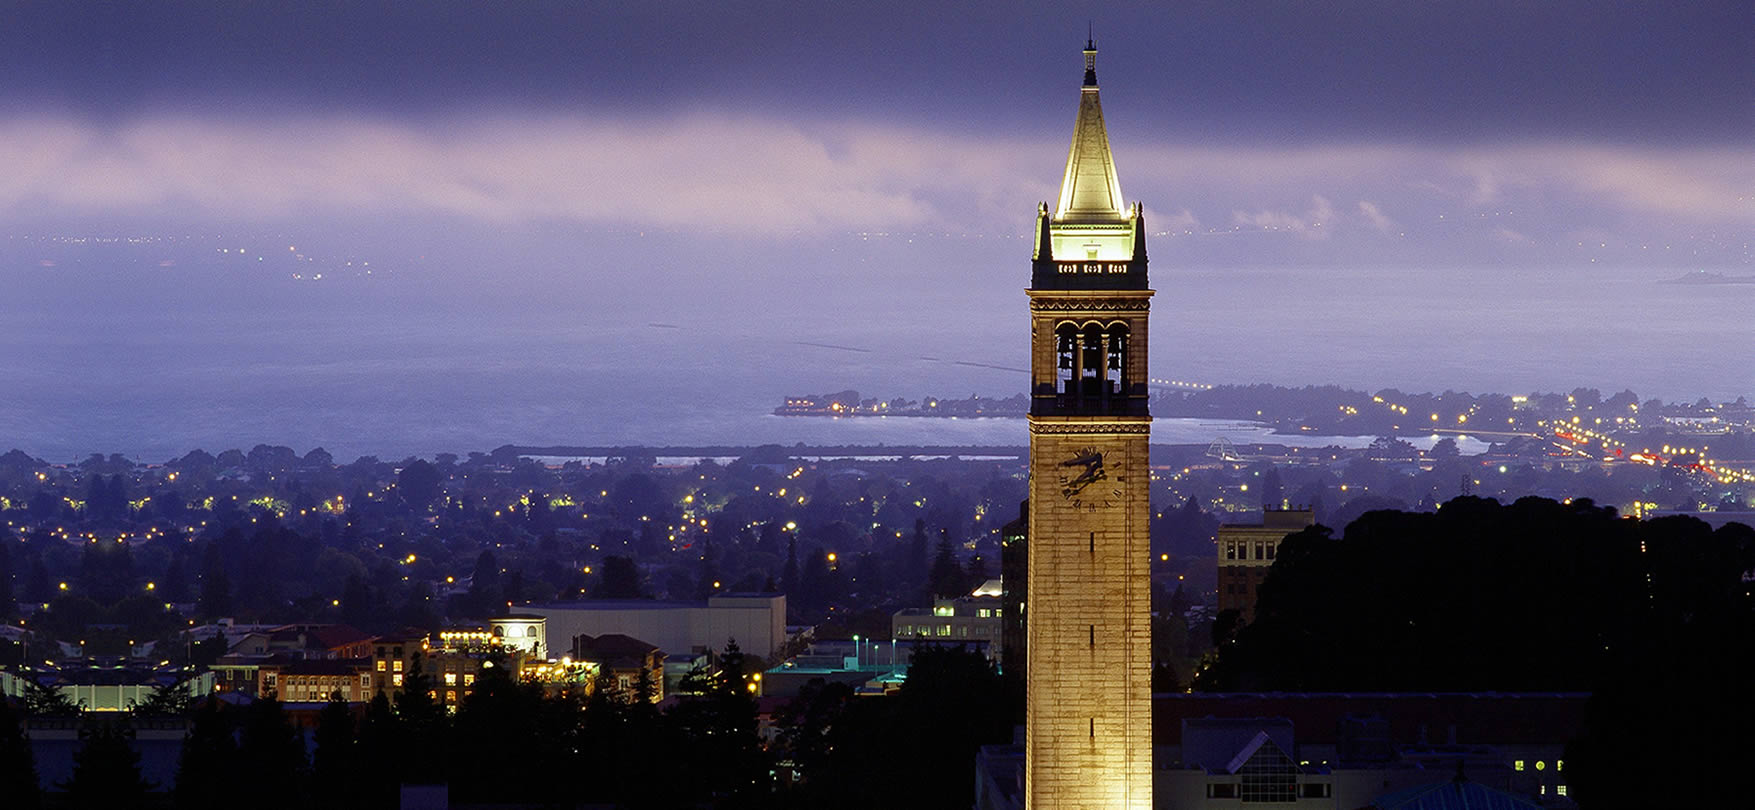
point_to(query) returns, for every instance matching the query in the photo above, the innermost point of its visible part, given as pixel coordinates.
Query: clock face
(1091, 479)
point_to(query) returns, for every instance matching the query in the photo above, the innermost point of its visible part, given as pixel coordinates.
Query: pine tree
(18, 769)
(334, 762)
(383, 750)
(106, 772)
(424, 724)
(216, 589)
(789, 572)
(207, 768)
(272, 752)
(946, 579)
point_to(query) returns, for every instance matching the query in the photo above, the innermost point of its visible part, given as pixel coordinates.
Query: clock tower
(1088, 725)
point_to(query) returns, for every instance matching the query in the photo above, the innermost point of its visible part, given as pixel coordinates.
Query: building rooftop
(1458, 794)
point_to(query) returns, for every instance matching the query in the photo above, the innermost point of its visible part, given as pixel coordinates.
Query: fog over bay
(551, 227)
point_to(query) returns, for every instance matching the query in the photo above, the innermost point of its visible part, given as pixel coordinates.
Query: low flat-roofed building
(756, 621)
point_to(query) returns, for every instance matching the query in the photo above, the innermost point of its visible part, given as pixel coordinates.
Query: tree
(1273, 492)
(208, 767)
(946, 579)
(914, 563)
(419, 483)
(620, 579)
(272, 752)
(952, 704)
(789, 572)
(720, 749)
(106, 771)
(334, 763)
(18, 769)
(424, 724)
(1444, 450)
(382, 749)
(216, 590)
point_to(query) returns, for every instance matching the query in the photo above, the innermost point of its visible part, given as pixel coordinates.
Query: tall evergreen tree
(106, 771)
(383, 750)
(216, 589)
(789, 572)
(425, 727)
(208, 767)
(334, 763)
(18, 769)
(915, 567)
(946, 579)
(272, 752)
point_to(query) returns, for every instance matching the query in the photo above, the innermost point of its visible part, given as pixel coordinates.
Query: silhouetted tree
(18, 769)
(620, 579)
(106, 771)
(207, 769)
(335, 762)
(272, 752)
(419, 483)
(946, 579)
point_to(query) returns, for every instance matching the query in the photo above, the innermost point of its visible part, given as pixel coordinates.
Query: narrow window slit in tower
(1093, 635)
(1093, 542)
(1093, 728)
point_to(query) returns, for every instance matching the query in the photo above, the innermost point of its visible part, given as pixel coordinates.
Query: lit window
(380, 666)
(1541, 766)
(1559, 790)
(1559, 764)
(984, 613)
(944, 630)
(468, 678)
(1517, 765)
(396, 680)
(396, 666)
(450, 679)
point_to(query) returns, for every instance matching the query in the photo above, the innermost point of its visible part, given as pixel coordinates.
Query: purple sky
(1392, 132)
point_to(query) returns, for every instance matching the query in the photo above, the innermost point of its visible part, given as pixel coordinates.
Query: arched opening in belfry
(1091, 359)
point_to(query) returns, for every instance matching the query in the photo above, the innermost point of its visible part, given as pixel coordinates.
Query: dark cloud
(1273, 72)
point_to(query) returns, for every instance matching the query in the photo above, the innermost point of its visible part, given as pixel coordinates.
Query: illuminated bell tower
(1088, 725)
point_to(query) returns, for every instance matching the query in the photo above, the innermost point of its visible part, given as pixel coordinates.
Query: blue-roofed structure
(1457, 794)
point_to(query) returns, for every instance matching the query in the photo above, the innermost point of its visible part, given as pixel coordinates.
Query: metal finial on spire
(1091, 56)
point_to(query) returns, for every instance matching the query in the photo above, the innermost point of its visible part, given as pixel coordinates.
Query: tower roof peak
(1090, 190)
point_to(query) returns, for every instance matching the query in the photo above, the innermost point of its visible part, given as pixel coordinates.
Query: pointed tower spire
(1090, 191)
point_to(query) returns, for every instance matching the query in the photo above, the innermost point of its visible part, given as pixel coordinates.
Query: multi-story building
(295, 680)
(973, 620)
(393, 658)
(1089, 584)
(1247, 551)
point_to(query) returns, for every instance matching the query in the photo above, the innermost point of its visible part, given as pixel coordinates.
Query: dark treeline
(517, 744)
(1655, 618)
